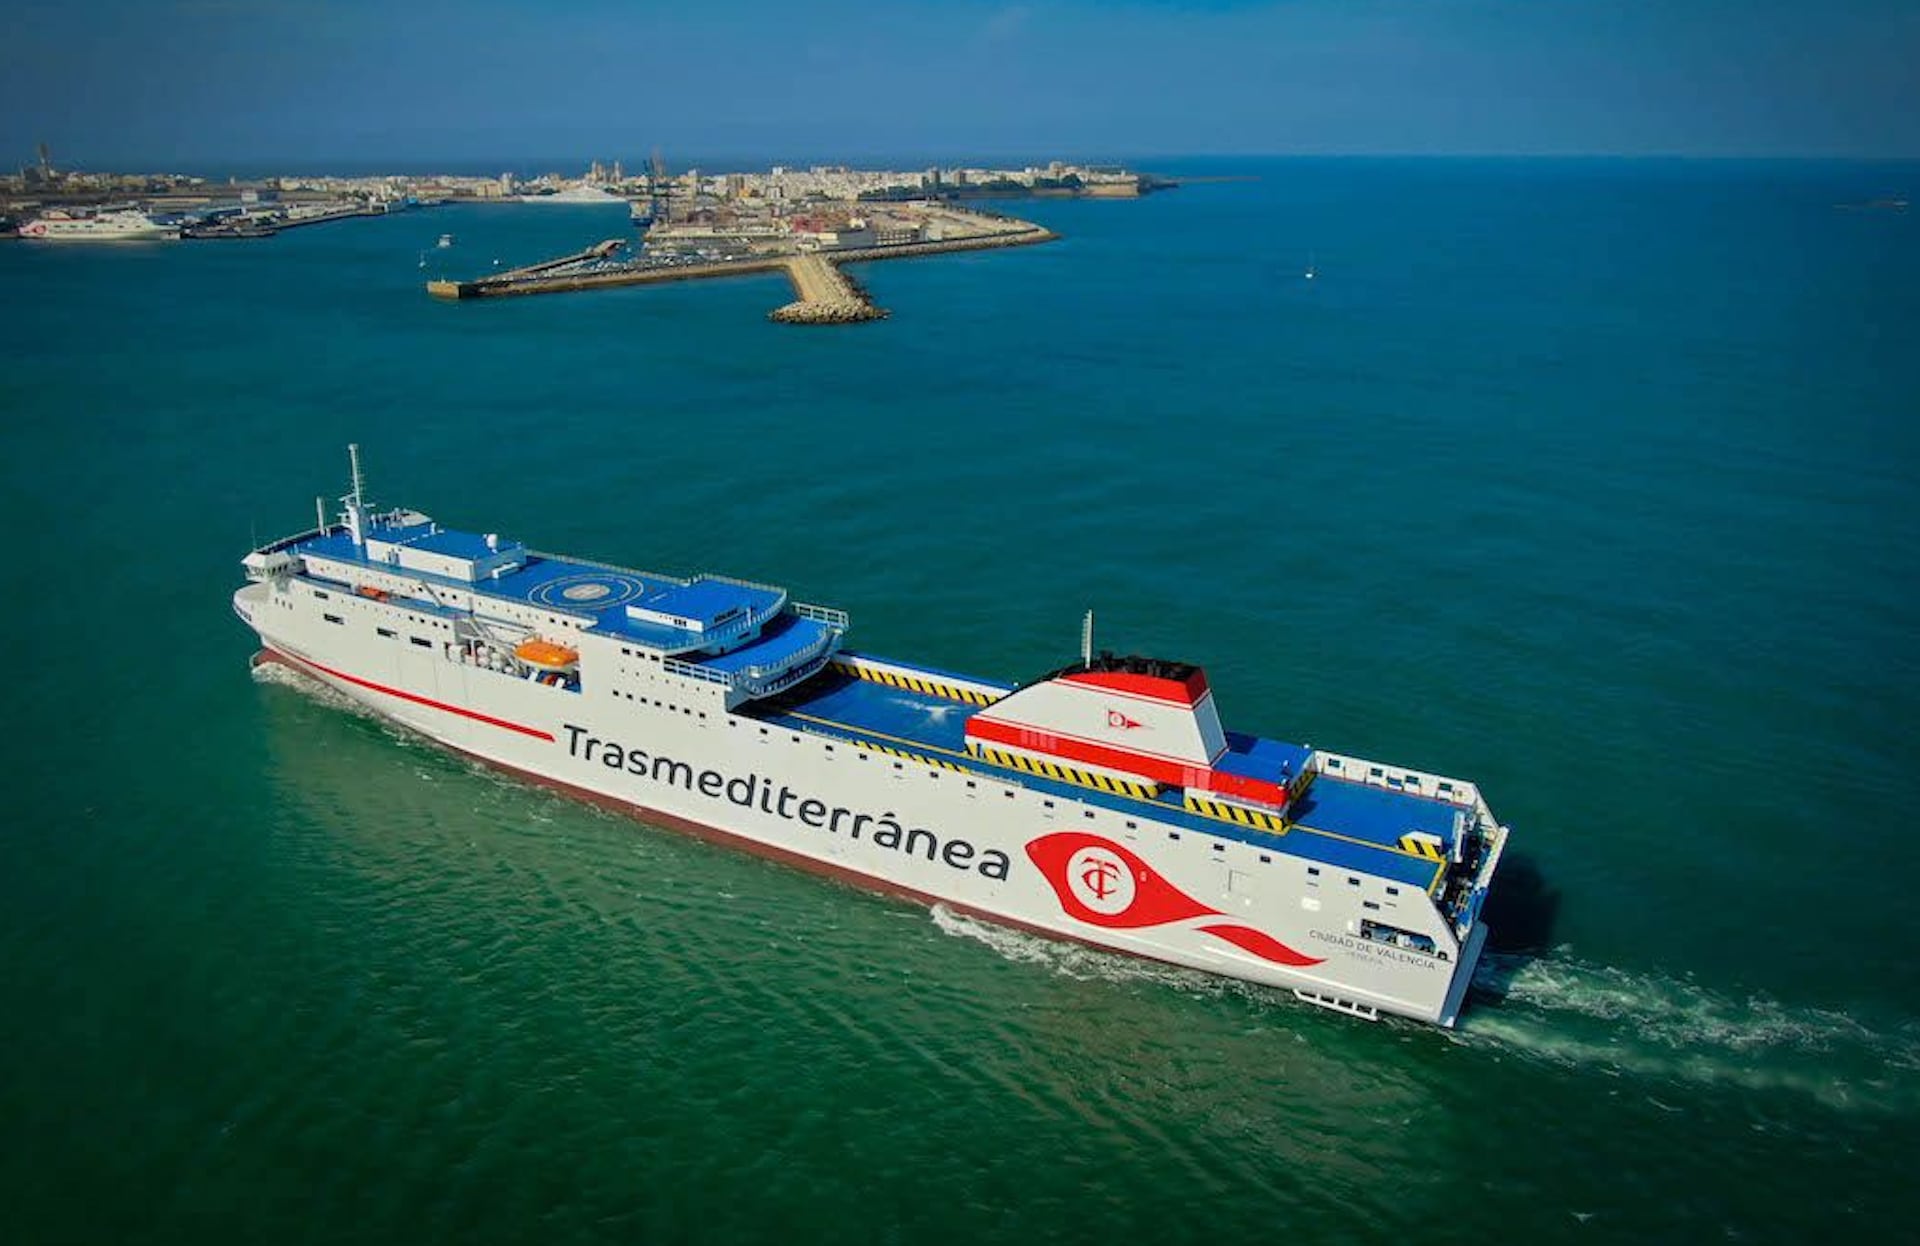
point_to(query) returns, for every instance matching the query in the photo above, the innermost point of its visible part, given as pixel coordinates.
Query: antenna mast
(356, 501)
(1086, 640)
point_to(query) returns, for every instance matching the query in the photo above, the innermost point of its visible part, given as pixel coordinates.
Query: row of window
(660, 704)
(385, 633)
(1265, 858)
(323, 595)
(1313, 871)
(1376, 772)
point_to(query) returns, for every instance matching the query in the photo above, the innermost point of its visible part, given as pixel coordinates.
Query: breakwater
(826, 296)
(823, 292)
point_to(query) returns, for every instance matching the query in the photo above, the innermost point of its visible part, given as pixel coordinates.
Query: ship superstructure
(102, 225)
(1103, 802)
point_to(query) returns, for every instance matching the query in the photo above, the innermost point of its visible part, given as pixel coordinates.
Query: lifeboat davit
(546, 655)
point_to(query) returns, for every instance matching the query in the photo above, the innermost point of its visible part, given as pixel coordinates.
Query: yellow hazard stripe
(916, 683)
(1066, 774)
(1239, 815)
(922, 758)
(1425, 849)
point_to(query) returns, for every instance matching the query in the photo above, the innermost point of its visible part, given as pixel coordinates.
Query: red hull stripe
(1265, 946)
(488, 719)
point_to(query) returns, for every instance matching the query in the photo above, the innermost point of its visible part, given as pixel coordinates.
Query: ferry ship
(106, 225)
(577, 195)
(1103, 802)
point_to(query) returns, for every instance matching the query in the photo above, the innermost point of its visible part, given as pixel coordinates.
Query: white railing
(604, 566)
(826, 642)
(1398, 778)
(265, 564)
(823, 614)
(1467, 900)
(311, 534)
(760, 680)
(792, 677)
(690, 670)
(756, 585)
(732, 629)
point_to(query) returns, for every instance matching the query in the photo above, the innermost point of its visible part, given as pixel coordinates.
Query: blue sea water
(1593, 481)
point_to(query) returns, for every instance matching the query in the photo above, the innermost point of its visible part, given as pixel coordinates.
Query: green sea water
(1594, 482)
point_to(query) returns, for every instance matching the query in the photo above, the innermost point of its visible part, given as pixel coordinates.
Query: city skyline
(209, 82)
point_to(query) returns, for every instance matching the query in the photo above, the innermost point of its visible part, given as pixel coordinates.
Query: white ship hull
(984, 844)
(113, 227)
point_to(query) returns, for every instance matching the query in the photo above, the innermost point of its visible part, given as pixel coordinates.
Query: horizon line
(1134, 161)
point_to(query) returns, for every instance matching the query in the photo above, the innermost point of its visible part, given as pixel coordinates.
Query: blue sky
(178, 83)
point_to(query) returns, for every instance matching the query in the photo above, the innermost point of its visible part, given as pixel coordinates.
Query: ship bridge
(752, 638)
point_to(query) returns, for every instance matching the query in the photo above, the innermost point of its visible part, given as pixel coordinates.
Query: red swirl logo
(1104, 884)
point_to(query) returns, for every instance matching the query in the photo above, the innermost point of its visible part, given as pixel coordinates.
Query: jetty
(824, 293)
(827, 296)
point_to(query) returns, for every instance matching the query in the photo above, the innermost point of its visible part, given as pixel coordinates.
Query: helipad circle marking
(595, 590)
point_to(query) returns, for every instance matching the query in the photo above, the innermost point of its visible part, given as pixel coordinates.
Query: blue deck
(1254, 758)
(778, 643)
(580, 589)
(881, 713)
(1376, 814)
(1340, 823)
(436, 540)
(1358, 834)
(707, 600)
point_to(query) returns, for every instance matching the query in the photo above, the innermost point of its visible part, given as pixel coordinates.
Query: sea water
(1593, 482)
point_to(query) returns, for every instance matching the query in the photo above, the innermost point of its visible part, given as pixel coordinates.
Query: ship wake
(1558, 1009)
(280, 675)
(1074, 960)
(1561, 1009)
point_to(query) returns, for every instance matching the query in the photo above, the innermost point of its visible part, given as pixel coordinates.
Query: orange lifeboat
(368, 590)
(546, 655)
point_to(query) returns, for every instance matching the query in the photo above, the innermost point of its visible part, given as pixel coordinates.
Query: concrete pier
(823, 293)
(827, 296)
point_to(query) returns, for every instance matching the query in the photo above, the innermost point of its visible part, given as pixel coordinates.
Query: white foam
(1559, 1008)
(1595, 1017)
(1083, 963)
(280, 675)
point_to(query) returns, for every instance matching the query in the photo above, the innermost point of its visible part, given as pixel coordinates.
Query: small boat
(446, 240)
(1310, 273)
(545, 655)
(229, 229)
